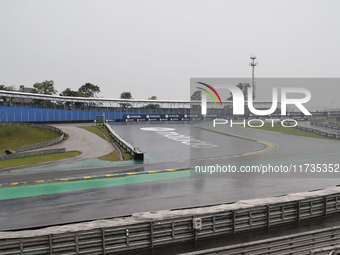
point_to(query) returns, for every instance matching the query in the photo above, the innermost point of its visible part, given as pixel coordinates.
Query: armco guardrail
(329, 250)
(32, 153)
(137, 154)
(148, 230)
(37, 145)
(312, 242)
(320, 132)
(19, 150)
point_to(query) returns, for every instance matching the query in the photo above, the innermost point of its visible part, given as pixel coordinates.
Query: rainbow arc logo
(204, 99)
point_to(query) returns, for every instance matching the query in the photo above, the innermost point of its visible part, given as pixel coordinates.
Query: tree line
(87, 90)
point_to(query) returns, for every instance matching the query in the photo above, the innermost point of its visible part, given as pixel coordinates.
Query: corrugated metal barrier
(152, 234)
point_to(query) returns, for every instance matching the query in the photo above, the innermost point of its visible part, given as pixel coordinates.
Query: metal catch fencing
(165, 232)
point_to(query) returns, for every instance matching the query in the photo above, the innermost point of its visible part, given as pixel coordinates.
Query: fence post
(77, 244)
(214, 222)
(21, 248)
(151, 233)
(103, 237)
(127, 237)
(268, 216)
(250, 218)
(51, 244)
(234, 224)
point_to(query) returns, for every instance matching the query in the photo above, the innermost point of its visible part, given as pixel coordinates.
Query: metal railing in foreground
(166, 229)
(311, 242)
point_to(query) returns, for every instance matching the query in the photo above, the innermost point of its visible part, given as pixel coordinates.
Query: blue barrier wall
(21, 114)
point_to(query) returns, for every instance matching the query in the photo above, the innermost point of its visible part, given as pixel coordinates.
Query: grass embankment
(37, 159)
(290, 131)
(17, 136)
(113, 156)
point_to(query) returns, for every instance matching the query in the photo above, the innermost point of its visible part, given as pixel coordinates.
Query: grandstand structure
(17, 106)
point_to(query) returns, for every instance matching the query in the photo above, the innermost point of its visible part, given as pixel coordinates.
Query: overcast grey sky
(155, 47)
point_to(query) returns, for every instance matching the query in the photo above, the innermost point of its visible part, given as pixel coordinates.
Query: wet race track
(48, 204)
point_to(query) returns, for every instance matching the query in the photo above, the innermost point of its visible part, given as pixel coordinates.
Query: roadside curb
(13, 184)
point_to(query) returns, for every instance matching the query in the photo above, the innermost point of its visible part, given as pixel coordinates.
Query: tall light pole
(253, 64)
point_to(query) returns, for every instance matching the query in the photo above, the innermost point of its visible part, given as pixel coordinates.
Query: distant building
(23, 89)
(23, 100)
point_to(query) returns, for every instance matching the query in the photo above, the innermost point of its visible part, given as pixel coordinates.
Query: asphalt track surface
(109, 198)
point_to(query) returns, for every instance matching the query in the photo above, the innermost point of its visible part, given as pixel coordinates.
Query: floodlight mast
(253, 64)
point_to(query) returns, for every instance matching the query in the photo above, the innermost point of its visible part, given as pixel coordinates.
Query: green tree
(67, 93)
(70, 93)
(126, 95)
(244, 88)
(197, 95)
(45, 87)
(152, 106)
(7, 88)
(89, 89)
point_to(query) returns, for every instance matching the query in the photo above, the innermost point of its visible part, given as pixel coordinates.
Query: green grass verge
(16, 136)
(290, 131)
(113, 156)
(37, 159)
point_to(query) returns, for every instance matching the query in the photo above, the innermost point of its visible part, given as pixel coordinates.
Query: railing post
(311, 208)
(21, 248)
(214, 222)
(298, 211)
(77, 244)
(283, 212)
(250, 215)
(127, 237)
(268, 216)
(151, 234)
(51, 245)
(173, 230)
(325, 200)
(234, 223)
(103, 238)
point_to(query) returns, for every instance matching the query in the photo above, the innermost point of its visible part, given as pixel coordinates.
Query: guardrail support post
(127, 237)
(151, 234)
(21, 248)
(103, 238)
(298, 211)
(268, 216)
(173, 230)
(214, 223)
(51, 245)
(311, 208)
(234, 223)
(250, 222)
(77, 244)
(283, 212)
(325, 199)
